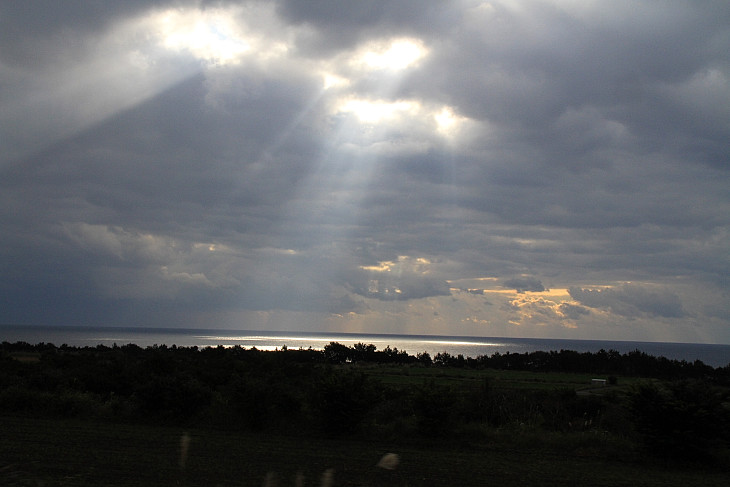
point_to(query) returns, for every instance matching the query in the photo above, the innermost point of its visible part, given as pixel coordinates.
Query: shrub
(433, 408)
(172, 398)
(259, 403)
(341, 399)
(683, 419)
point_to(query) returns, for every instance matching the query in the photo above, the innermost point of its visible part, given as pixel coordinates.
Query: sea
(715, 355)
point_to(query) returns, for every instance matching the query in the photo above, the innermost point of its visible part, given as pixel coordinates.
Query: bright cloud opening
(384, 266)
(210, 35)
(393, 55)
(447, 122)
(373, 111)
(333, 81)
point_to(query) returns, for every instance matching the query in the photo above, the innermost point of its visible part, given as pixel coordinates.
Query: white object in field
(389, 461)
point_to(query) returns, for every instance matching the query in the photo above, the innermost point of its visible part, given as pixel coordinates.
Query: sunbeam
(368, 128)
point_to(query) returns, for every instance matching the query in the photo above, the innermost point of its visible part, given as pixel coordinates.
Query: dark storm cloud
(522, 284)
(590, 148)
(396, 284)
(342, 24)
(30, 32)
(547, 59)
(573, 311)
(631, 300)
(324, 13)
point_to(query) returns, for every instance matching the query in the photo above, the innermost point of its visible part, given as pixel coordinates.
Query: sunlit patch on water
(454, 342)
(715, 355)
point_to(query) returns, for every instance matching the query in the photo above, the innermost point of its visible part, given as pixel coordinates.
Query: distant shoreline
(285, 333)
(716, 355)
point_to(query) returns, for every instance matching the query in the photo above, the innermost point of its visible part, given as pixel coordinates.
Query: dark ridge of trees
(634, 364)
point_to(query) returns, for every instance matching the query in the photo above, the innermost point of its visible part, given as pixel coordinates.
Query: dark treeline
(681, 411)
(635, 363)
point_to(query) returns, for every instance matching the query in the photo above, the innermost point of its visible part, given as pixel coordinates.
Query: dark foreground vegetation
(233, 416)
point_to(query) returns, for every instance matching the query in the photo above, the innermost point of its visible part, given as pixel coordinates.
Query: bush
(259, 403)
(433, 408)
(681, 420)
(172, 398)
(340, 400)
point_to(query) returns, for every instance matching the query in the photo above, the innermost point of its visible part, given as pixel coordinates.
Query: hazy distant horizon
(711, 354)
(278, 332)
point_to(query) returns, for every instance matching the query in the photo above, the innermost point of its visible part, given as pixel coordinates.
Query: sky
(537, 168)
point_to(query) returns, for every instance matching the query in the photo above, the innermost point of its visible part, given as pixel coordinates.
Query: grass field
(506, 379)
(54, 452)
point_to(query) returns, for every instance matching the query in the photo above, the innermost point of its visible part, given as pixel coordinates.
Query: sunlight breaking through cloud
(394, 55)
(208, 35)
(378, 110)
(217, 36)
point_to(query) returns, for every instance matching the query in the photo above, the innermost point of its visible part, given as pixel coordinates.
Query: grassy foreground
(55, 452)
(168, 416)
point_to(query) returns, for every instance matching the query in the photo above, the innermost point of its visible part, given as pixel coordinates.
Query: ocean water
(711, 354)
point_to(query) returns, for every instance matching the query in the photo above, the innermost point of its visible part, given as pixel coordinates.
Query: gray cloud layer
(522, 284)
(631, 300)
(169, 156)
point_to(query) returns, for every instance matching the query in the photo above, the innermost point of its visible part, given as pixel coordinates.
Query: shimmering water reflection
(716, 355)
